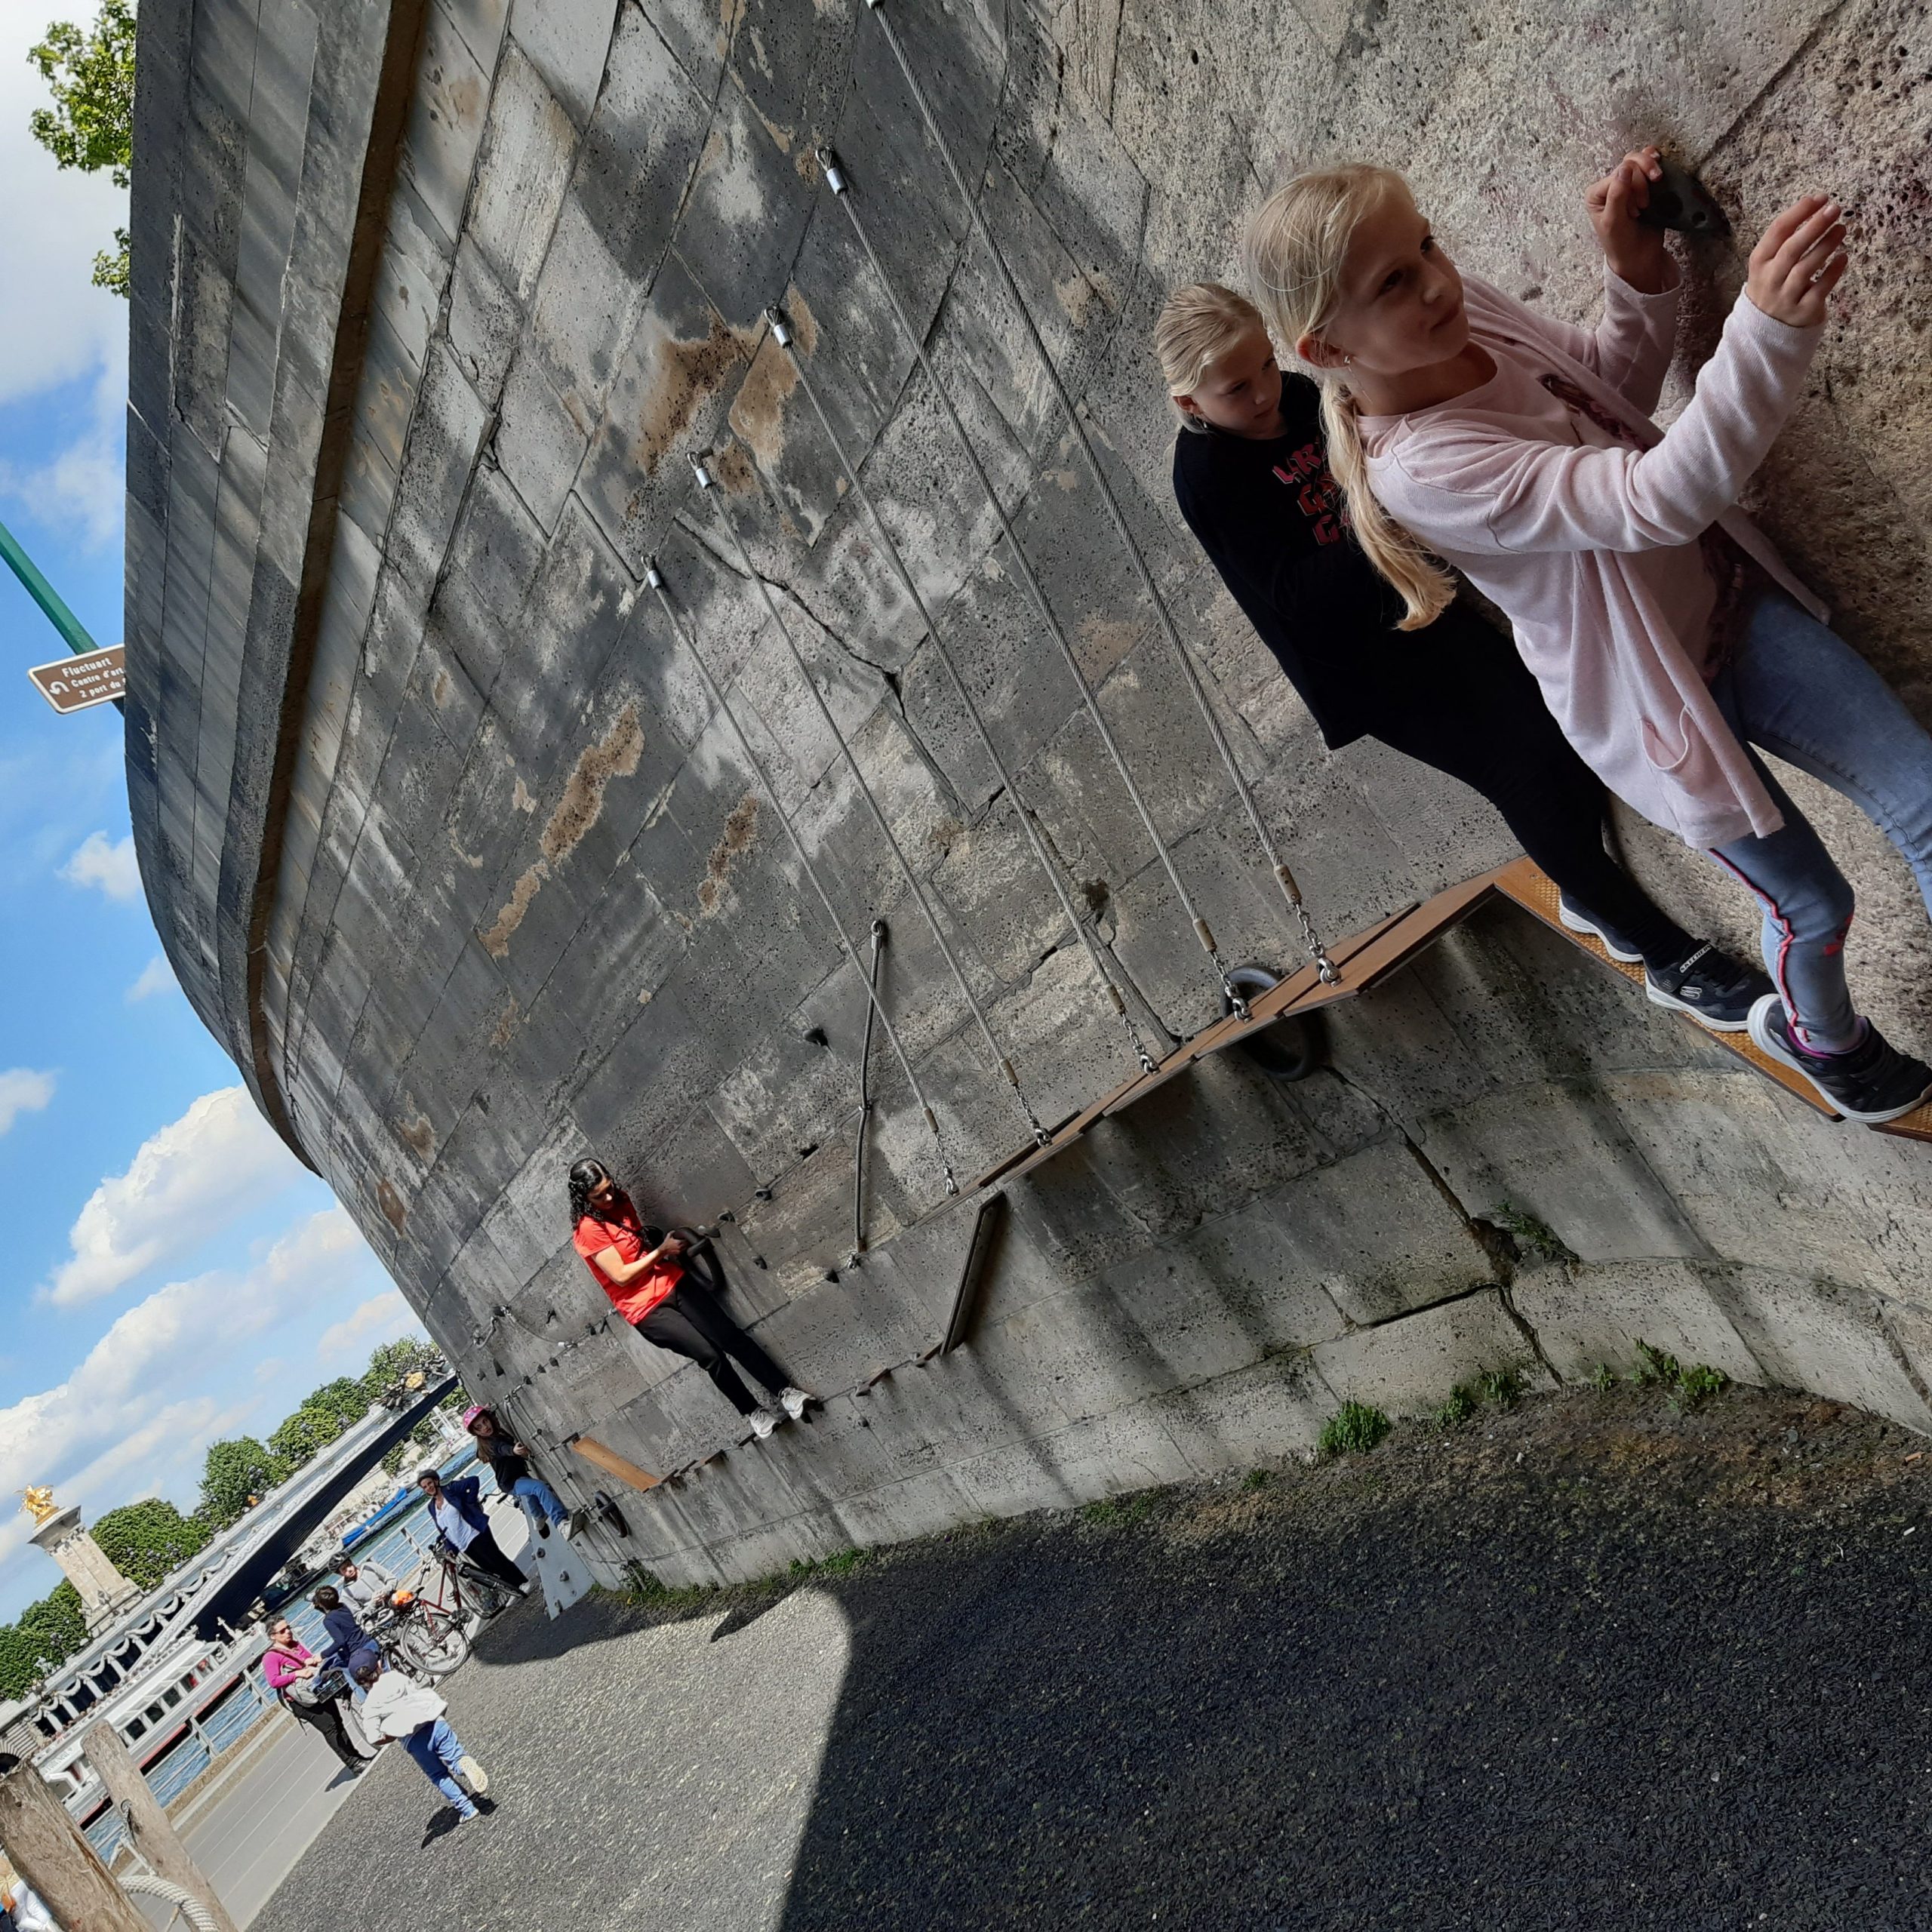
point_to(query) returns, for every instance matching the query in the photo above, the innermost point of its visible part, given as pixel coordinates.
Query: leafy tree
(91, 126)
(147, 1541)
(48, 1633)
(235, 1471)
(323, 1415)
(394, 1360)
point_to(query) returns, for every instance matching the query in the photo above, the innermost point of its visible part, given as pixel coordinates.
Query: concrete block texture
(564, 866)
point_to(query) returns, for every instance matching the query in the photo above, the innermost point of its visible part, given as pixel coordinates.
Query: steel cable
(706, 482)
(835, 178)
(1283, 877)
(781, 329)
(655, 579)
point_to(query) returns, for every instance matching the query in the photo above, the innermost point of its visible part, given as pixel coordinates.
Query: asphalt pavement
(1589, 1663)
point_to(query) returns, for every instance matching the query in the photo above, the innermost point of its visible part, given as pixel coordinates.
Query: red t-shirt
(635, 1299)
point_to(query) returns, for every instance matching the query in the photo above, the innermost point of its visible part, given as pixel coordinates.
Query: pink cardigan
(281, 1667)
(1556, 533)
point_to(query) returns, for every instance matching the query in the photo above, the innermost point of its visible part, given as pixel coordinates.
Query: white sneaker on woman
(763, 1422)
(796, 1401)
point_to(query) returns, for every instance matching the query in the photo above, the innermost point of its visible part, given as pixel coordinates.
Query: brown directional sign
(94, 677)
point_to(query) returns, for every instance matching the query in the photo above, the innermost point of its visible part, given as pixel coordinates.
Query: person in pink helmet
(509, 1462)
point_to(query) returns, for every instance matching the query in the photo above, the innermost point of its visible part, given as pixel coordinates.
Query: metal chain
(655, 579)
(706, 482)
(1330, 974)
(835, 179)
(781, 329)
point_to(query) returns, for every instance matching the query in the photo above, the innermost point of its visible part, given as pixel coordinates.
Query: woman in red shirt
(643, 1271)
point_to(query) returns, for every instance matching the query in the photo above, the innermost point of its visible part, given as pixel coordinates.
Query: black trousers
(689, 1323)
(486, 1553)
(1495, 734)
(326, 1719)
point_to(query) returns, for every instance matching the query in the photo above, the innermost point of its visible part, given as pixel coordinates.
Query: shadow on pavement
(1526, 1705)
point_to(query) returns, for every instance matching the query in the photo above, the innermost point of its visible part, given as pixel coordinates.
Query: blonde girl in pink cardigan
(1667, 634)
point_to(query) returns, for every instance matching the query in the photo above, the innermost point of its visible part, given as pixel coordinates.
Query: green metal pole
(73, 632)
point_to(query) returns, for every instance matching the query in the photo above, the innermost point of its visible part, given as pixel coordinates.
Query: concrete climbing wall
(456, 853)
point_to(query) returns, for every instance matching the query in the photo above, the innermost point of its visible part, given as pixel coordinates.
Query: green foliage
(1354, 1429)
(47, 1634)
(148, 1541)
(1502, 1388)
(1462, 1403)
(1685, 1387)
(841, 1563)
(91, 126)
(235, 1471)
(1604, 1378)
(1114, 1512)
(394, 1360)
(1256, 1479)
(1531, 1235)
(325, 1414)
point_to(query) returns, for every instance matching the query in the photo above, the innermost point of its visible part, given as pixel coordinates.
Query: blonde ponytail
(1297, 246)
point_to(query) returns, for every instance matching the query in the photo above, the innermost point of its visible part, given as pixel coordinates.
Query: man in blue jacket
(456, 1510)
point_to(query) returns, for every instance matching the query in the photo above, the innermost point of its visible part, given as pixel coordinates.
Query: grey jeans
(1796, 689)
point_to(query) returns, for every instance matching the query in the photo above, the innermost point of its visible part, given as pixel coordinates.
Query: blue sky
(171, 1273)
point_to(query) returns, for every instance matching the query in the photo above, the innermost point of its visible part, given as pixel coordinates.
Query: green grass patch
(1256, 1479)
(1354, 1429)
(841, 1562)
(1685, 1386)
(1461, 1403)
(1113, 1512)
(1531, 1235)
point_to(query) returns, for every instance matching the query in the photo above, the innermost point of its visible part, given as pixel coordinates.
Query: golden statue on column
(40, 1504)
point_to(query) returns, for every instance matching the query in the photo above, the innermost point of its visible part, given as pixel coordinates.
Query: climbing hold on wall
(1681, 201)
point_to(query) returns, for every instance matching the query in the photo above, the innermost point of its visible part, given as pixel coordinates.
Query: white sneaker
(763, 1422)
(473, 1774)
(796, 1401)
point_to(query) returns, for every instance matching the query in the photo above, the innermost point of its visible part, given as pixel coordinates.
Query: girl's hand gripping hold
(1635, 252)
(1799, 259)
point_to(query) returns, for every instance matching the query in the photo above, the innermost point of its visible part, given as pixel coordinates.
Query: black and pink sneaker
(1873, 1082)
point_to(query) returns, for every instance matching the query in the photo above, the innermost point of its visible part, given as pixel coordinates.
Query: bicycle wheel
(435, 1645)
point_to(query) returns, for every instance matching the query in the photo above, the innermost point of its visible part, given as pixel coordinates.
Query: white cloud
(23, 1091)
(110, 866)
(81, 490)
(135, 1403)
(381, 1318)
(187, 1181)
(54, 325)
(157, 976)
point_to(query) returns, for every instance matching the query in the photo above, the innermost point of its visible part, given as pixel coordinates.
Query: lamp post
(89, 683)
(73, 632)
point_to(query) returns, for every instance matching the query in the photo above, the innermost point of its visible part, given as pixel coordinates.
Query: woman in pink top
(290, 1668)
(1667, 635)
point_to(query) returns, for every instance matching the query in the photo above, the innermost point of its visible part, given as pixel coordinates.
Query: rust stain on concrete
(522, 797)
(390, 1202)
(616, 755)
(687, 372)
(758, 416)
(496, 939)
(505, 1027)
(740, 831)
(416, 1132)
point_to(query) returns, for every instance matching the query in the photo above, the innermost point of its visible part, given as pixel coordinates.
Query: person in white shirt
(457, 1512)
(19, 1898)
(396, 1708)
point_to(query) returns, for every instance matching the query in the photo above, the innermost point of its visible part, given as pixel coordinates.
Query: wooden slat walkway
(1368, 958)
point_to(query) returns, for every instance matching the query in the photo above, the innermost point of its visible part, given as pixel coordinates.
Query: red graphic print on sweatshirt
(1317, 494)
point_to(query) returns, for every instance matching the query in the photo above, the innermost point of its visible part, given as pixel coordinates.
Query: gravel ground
(1586, 1663)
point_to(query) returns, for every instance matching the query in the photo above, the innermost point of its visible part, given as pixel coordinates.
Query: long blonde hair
(1199, 324)
(1297, 244)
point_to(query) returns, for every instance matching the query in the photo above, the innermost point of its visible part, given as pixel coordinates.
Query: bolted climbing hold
(1681, 201)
